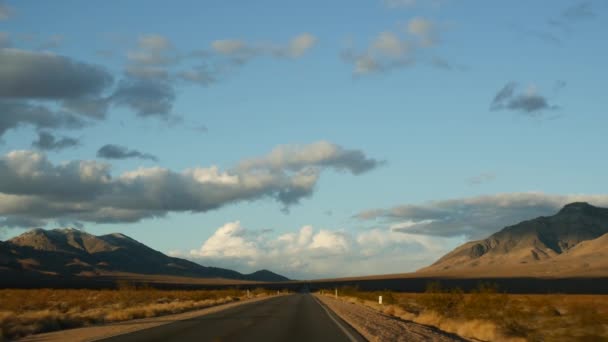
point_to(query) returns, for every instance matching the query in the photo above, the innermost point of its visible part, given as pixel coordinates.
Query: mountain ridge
(72, 252)
(541, 245)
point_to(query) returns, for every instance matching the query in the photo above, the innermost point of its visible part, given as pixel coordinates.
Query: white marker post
(379, 299)
(247, 293)
(336, 293)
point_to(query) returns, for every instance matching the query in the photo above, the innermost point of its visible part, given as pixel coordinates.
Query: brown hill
(570, 243)
(71, 252)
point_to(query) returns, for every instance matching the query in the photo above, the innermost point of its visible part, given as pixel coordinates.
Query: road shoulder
(375, 326)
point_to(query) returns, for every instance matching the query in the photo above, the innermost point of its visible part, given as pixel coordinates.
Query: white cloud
(229, 241)
(475, 217)
(314, 253)
(229, 46)
(390, 50)
(300, 44)
(154, 42)
(389, 44)
(423, 29)
(242, 51)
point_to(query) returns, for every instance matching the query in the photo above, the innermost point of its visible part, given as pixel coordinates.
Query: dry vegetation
(26, 312)
(489, 315)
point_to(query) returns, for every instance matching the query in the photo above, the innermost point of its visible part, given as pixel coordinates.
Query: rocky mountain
(572, 242)
(71, 252)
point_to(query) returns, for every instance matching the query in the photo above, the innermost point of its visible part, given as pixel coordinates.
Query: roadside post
(379, 299)
(336, 294)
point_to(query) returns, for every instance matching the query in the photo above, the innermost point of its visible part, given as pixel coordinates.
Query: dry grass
(26, 312)
(489, 315)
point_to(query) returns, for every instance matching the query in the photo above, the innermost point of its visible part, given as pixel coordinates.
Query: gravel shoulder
(376, 326)
(94, 333)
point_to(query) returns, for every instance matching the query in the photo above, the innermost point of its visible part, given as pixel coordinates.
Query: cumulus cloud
(314, 253)
(391, 50)
(121, 152)
(41, 75)
(474, 217)
(529, 102)
(33, 187)
(48, 142)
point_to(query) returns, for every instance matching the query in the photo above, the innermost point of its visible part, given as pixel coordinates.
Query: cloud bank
(318, 253)
(474, 217)
(32, 187)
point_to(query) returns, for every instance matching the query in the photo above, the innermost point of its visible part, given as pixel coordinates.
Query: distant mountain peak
(67, 230)
(580, 208)
(529, 244)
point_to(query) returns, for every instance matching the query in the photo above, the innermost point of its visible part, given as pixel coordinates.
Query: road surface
(298, 317)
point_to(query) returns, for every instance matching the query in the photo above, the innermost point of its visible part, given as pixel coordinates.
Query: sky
(315, 139)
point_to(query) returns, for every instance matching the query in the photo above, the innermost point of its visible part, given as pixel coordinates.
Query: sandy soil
(104, 331)
(376, 326)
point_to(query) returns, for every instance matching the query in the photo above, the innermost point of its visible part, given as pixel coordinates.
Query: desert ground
(27, 312)
(487, 314)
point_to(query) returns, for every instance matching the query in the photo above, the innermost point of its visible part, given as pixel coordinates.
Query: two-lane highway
(298, 317)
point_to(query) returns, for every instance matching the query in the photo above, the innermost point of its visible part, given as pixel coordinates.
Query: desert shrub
(25, 312)
(485, 302)
(447, 302)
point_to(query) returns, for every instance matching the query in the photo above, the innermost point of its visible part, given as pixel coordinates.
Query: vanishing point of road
(298, 317)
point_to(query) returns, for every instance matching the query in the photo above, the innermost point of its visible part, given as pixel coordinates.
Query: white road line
(344, 330)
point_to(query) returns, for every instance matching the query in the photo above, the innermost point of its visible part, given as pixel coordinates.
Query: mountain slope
(543, 246)
(71, 252)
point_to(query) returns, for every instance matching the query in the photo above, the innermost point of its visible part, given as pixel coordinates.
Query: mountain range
(571, 243)
(74, 253)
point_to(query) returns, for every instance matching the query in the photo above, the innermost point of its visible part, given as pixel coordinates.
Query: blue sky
(448, 119)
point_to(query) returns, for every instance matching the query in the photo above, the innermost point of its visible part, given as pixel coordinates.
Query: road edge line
(338, 323)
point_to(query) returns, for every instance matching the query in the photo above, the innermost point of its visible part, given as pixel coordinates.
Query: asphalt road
(298, 317)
